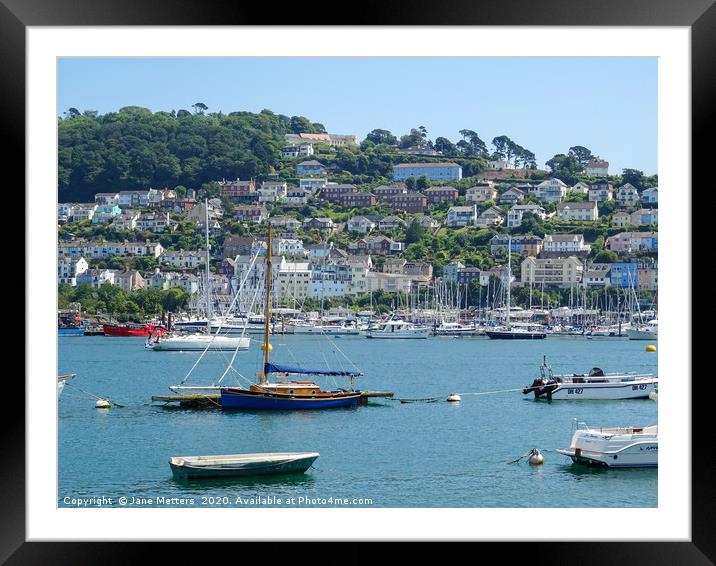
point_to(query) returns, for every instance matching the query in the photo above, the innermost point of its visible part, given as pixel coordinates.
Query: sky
(546, 105)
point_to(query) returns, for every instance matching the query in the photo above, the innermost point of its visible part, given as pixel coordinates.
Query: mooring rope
(95, 396)
(476, 393)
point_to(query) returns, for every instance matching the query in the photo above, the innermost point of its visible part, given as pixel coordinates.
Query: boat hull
(641, 335)
(71, 331)
(224, 468)
(200, 343)
(589, 391)
(507, 335)
(615, 448)
(398, 335)
(144, 330)
(643, 455)
(243, 399)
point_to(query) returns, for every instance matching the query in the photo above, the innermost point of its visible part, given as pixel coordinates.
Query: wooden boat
(241, 465)
(267, 394)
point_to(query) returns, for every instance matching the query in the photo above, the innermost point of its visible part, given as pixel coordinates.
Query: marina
(452, 454)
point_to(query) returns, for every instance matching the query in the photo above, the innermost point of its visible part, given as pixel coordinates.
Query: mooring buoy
(535, 458)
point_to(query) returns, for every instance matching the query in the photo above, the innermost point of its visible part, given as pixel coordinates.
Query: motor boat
(594, 385)
(397, 328)
(647, 332)
(631, 447)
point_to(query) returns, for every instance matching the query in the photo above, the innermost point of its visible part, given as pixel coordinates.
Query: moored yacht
(397, 328)
(649, 331)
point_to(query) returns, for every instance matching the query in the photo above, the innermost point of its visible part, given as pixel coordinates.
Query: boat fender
(535, 458)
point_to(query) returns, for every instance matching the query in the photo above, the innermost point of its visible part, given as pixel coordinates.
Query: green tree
(581, 154)
(379, 137)
(414, 233)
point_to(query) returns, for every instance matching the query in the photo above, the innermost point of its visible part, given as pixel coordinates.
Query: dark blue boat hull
(248, 400)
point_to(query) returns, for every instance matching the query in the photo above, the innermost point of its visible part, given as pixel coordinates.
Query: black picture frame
(17, 15)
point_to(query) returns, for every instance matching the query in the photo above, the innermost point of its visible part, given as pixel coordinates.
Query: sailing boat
(200, 341)
(512, 332)
(267, 394)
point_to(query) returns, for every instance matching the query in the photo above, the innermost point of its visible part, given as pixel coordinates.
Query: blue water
(393, 454)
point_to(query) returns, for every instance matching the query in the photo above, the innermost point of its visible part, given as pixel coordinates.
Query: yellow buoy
(263, 347)
(651, 348)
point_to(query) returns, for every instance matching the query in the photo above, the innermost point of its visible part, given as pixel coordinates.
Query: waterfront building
(601, 191)
(519, 244)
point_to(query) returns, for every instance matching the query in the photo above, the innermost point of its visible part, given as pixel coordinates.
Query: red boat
(132, 329)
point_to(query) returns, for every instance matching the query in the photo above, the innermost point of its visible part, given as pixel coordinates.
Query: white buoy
(102, 404)
(535, 458)
(654, 396)
(453, 397)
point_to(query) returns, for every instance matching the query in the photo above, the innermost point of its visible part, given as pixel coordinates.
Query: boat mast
(509, 277)
(267, 309)
(208, 294)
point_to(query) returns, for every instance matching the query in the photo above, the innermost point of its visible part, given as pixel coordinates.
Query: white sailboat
(206, 340)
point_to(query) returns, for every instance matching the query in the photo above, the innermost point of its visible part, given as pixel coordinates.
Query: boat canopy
(274, 368)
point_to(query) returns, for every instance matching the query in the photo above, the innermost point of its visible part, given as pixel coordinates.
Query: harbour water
(384, 454)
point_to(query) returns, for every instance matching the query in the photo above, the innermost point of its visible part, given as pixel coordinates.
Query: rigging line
(208, 322)
(236, 350)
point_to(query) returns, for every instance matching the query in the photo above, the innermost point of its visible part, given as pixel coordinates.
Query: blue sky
(546, 105)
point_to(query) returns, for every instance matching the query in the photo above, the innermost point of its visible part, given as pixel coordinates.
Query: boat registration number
(575, 391)
(641, 387)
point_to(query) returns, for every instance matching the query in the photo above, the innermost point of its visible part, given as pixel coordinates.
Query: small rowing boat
(241, 465)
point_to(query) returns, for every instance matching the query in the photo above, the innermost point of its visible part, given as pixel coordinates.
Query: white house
(69, 268)
(481, 193)
(515, 214)
(360, 224)
(183, 259)
(566, 244)
(621, 219)
(650, 195)
(597, 168)
(296, 197)
(459, 216)
(492, 216)
(272, 191)
(551, 190)
(645, 217)
(577, 211)
(580, 188)
(627, 195)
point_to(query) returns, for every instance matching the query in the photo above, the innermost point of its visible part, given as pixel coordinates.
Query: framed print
(290, 257)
